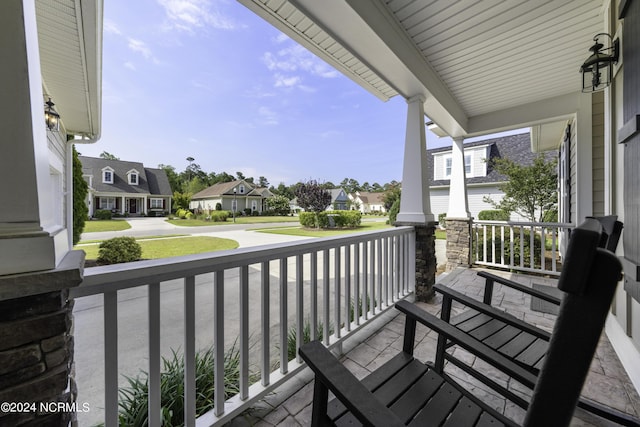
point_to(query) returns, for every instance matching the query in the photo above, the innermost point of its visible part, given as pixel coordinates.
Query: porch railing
(526, 246)
(343, 282)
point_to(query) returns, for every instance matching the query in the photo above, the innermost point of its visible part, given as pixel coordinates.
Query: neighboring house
(234, 195)
(482, 179)
(367, 202)
(125, 187)
(339, 200)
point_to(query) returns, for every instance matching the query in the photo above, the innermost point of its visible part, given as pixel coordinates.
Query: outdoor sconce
(597, 70)
(51, 117)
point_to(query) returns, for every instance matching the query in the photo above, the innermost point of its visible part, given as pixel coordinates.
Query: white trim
(104, 175)
(155, 199)
(624, 348)
(131, 174)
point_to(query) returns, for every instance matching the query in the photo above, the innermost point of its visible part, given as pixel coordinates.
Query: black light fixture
(597, 70)
(51, 117)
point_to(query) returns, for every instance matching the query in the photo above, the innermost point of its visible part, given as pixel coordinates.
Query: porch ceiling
(70, 40)
(484, 65)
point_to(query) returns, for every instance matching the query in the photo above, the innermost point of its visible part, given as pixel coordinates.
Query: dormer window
(241, 189)
(107, 175)
(134, 177)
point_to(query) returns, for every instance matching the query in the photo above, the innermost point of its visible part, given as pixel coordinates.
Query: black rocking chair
(405, 391)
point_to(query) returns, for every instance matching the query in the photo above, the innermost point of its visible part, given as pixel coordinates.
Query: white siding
(439, 198)
(597, 153)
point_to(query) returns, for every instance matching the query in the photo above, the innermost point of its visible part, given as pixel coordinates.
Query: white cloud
(286, 81)
(189, 15)
(267, 116)
(141, 47)
(130, 65)
(281, 38)
(111, 27)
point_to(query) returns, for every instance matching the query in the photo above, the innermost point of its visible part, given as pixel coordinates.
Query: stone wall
(458, 242)
(36, 355)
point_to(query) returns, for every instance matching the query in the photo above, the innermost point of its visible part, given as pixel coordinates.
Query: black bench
(406, 391)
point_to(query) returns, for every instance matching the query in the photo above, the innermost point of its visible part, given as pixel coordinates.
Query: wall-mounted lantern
(597, 70)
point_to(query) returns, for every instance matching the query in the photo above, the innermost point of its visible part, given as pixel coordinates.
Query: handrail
(315, 280)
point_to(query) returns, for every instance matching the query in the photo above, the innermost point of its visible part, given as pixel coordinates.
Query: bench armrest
(346, 387)
(467, 342)
(515, 285)
(491, 311)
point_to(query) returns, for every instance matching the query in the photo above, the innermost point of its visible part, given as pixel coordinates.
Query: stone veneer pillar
(425, 261)
(458, 242)
(36, 343)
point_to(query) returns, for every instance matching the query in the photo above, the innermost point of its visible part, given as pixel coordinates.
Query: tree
(279, 205)
(391, 194)
(80, 190)
(312, 196)
(108, 156)
(530, 191)
(181, 200)
(172, 175)
(263, 182)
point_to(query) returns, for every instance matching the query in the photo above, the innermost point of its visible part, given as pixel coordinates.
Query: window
(254, 205)
(448, 165)
(155, 203)
(448, 162)
(242, 189)
(133, 179)
(108, 203)
(467, 164)
(107, 176)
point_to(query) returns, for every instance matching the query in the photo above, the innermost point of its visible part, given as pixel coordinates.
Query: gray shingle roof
(150, 181)
(514, 147)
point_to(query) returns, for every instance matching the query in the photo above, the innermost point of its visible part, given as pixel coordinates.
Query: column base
(458, 242)
(425, 259)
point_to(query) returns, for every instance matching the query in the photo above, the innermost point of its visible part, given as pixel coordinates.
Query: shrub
(134, 398)
(103, 214)
(119, 250)
(341, 219)
(306, 336)
(478, 249)
(219, 216)
(218, 206)
(493, 215)
(441, 220)
(181, 213)
(246, 211)
(188, 215)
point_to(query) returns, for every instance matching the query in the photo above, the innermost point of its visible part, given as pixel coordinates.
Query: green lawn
(299, 231)
(96, 225)
(239, 220)
(441, 234)
(169, 247)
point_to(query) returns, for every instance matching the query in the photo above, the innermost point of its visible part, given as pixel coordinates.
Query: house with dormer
(482, 179)
(126, 188)
(367, 202)
(232, 196)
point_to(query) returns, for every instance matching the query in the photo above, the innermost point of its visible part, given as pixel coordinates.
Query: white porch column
(123, 208)
(458, 201)
(28, 236)
(415, 206)
(145, 203)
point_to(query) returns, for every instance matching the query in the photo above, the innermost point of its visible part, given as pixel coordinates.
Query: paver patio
(607, 382)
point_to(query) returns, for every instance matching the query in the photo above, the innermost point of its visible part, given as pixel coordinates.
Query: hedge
(341, 219)
(493, 215)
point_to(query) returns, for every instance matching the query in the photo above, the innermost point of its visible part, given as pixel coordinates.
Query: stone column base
(458, 242)
(425, 260)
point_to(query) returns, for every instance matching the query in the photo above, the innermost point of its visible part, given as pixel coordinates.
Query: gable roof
(515, 147)
(371, 197)
(150, 181)
(217, 190)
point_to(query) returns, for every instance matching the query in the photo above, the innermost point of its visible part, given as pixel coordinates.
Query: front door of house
(132, 206)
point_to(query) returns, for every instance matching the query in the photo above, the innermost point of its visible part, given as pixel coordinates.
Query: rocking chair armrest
(346, 387)
(517, 286)
(467, 342)
(491, 311)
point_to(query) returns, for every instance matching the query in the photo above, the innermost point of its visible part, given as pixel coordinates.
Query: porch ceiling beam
(403, 64)
(525, 115)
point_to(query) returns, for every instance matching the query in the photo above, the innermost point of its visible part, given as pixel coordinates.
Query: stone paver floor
(607, 382)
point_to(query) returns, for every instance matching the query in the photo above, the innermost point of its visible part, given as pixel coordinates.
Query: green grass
(169, 247)
(306, 232)
(239, 220)
(159, 236)
(97, 225)
(441, 234)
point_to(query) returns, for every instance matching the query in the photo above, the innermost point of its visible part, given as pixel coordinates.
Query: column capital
(458, 138)
(417, 98)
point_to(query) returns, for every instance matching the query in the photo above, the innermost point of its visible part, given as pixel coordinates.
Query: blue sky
(211, 80)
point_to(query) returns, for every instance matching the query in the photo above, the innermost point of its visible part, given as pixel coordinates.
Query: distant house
(367, 202)
(125, 187)
(339, 200)
(239, 194)
(482, 179)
